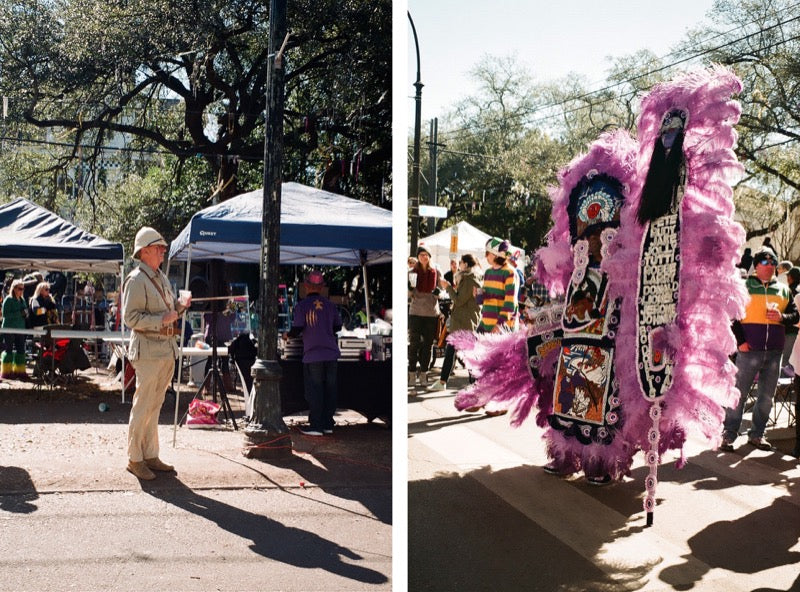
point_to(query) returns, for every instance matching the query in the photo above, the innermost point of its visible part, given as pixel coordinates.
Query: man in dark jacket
(760, 337)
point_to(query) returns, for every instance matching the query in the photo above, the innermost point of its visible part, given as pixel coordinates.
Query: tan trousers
(152, 379)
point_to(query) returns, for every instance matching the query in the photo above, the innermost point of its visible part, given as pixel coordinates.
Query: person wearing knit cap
(423, 316)
(498, 296)
(760, 337)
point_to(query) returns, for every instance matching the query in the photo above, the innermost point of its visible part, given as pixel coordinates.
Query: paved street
(484, 516)
(72, 518)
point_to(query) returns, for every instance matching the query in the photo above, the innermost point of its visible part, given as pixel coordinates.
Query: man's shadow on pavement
(751, 544)
(20, 489)
(271, 539)
(333, 477)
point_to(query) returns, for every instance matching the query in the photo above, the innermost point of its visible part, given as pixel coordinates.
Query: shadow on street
(271, 539)
(18, 481)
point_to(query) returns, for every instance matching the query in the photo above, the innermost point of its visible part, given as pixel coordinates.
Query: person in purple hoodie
(318, 320)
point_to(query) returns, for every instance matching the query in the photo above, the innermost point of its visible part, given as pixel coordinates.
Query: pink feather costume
(682, 378)
(685, 368)
(520, 369)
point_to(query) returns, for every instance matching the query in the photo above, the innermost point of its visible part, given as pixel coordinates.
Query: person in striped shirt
(498, 296)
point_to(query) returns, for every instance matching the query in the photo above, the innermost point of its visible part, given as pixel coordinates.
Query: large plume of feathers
(711, 292)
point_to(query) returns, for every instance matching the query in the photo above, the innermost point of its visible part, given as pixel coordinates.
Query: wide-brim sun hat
(147, 237)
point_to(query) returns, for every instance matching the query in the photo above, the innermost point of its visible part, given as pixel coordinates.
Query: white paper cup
(412, 279)
(184, 296)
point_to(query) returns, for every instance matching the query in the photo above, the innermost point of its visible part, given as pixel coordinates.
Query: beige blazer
(142, 309)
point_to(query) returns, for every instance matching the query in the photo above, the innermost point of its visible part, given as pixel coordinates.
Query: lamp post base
(266, 436)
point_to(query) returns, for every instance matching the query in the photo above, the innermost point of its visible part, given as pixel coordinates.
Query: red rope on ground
(268, 444)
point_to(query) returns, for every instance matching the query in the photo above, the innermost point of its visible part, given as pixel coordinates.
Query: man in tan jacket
(149, 309)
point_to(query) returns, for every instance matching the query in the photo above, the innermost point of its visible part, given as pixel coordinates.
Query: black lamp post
(267, 435)
(415, 167)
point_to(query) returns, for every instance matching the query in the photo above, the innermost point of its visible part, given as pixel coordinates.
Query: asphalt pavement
(73, 518)
(483, 515)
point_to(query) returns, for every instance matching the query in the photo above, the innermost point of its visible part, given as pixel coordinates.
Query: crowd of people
(484, 297)
(23, 311)
(32, 301)
(498, 297)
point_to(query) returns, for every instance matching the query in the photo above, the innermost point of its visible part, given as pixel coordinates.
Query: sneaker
(310, 432)
(438, 385)
(760, 443)
(726, 445)
(496, 413)
(604, 480)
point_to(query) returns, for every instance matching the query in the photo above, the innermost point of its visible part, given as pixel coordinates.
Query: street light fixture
(267, 435)
(415, 174)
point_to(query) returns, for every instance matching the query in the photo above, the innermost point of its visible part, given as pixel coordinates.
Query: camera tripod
(213, 378)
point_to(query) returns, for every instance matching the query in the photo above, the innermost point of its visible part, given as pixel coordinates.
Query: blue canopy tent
(32, 237)
(317, 228)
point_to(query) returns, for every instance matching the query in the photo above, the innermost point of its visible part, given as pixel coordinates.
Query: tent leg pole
(366, 296)
(180, 354)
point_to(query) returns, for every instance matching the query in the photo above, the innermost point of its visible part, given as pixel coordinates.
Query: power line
(589, 94)
(630, 93)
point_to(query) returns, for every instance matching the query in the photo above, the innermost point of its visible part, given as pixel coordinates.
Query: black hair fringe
(663, 179)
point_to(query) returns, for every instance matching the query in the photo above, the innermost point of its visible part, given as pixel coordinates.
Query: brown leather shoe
(141, 470)
(157, 464)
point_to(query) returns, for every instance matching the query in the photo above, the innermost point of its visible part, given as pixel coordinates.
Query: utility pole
(433, 146)
(266, 436)
(414, 189)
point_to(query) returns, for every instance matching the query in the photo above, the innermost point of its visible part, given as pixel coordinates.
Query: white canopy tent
(464, 237)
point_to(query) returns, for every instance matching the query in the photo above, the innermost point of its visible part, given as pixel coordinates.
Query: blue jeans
(767, 365)
(319, 382)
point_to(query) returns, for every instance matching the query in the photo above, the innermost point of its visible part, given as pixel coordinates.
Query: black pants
(796, 386)
(421, 333)
(321, 392)
(448, 362)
